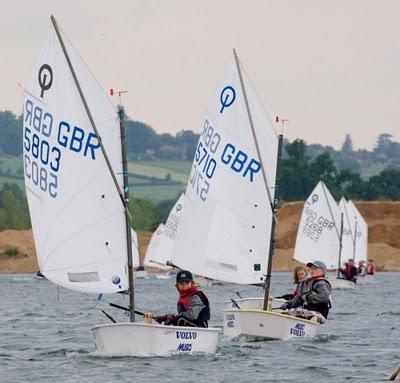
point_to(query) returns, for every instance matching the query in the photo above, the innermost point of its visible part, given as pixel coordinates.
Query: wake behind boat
(77, 189)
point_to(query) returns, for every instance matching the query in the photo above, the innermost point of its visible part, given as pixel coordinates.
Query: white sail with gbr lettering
(76, 212)
(159, 251)
(225, 227)
(318, 235)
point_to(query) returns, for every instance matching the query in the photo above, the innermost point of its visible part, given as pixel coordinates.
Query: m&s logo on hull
(298, 330)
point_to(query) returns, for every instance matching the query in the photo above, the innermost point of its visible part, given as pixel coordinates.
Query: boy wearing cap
(193, 306)
(315, 291)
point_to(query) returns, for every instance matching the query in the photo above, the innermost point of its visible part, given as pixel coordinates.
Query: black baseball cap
(184, 275)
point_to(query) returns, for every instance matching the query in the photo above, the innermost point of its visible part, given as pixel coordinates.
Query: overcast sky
(330, 67)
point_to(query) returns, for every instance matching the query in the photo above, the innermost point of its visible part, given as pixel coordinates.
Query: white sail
(76, 212)
(348, 231)
(360, 234)
(225, 227)
(160, 248)
(135, 249)
(318, 235)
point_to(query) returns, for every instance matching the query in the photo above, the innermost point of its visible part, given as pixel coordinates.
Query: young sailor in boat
(193, 305)
(299, 276)
(314, 293)
(362, 269)
(370, 267)
(349, 271)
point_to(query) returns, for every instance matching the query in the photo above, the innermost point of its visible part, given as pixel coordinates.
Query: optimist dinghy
(319, 236)
(161, 244)
(77, 189)
(227, 225)
(360, 241)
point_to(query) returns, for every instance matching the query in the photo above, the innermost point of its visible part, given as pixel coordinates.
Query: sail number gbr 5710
(207, 158)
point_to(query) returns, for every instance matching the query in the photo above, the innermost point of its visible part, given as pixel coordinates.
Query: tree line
(147, 144)
(300, 174)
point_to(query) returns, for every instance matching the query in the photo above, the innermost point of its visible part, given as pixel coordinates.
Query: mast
(123, 196)
(272, 238)
(340, 244)
(253, 131)
(355, 240)
(273, 204)
(131, 290)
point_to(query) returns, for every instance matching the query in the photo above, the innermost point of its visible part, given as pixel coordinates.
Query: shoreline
(383, 219)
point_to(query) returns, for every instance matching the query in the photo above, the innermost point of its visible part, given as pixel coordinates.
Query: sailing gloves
(168, 319)
(285, 306)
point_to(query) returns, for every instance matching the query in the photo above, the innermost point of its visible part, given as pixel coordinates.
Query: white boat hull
(249, 323)
(142, 339)
(341, 284)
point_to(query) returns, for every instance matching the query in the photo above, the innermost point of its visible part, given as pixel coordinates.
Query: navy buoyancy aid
(184, 303)
(309, 286)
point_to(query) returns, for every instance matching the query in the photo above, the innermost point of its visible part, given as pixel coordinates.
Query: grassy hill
(152, 180)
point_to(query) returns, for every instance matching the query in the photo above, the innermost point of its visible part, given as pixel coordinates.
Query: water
(45, 337)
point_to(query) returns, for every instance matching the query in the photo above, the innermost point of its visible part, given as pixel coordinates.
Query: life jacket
(183, 305)
(308, 286)
(350, 273)
(371, 269)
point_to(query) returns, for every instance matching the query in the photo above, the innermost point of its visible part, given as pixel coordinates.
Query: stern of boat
(240, 323)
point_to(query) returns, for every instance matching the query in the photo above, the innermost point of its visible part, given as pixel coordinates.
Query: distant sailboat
(227, 226)
(348, 242)
(320, 232)
(360, 244)
(161, 244)
(77, 189)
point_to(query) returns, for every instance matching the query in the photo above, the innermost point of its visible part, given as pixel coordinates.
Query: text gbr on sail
(73, 138)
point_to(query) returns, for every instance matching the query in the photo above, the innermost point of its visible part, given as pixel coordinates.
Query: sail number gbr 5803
(206, 161)
(42, 159)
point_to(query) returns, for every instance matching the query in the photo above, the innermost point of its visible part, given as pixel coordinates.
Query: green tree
(144, 215)
(10, 133)
(14, 213)
(386, 185)
(296, 179)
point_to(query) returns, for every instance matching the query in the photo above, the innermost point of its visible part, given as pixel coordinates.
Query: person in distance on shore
(314, 293)
(193, 306)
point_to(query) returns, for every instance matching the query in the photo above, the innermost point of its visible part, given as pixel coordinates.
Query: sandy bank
(383, 219)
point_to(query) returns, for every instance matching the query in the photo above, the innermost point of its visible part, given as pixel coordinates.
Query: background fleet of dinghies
(221, 228)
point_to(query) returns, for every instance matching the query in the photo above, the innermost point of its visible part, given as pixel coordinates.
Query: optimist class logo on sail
(45, 139)
(213, 150)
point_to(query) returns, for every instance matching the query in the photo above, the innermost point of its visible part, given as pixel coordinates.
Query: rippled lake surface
(45, 337)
